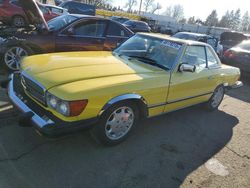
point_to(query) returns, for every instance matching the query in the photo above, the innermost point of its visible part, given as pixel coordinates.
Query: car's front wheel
(116, 123)
(13, 56)
(216, 99)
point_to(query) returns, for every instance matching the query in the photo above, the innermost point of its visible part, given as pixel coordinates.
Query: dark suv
(78, 8)
(137, 26)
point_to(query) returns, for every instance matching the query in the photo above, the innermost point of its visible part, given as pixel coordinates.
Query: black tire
(99, 131)
(212, 105)
(18, 21)
(6, 58)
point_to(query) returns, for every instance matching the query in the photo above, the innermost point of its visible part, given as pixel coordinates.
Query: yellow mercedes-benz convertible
(148, 75)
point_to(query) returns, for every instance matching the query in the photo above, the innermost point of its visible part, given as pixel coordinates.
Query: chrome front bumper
(237, 85)
(34, 115)
(36, 119)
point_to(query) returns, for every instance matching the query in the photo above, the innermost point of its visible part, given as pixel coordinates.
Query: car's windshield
(129, 22)
(145, 48)
(244, 45)
(60, 21)
(185, 36)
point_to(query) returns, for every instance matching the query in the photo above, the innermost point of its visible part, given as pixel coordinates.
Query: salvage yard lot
(188, 148)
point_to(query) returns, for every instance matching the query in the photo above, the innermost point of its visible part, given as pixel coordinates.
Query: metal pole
(140, 7)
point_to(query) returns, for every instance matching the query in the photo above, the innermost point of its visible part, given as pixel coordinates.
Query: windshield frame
(178, 54)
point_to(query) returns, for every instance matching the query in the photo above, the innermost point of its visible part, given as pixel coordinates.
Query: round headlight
(53, 101)
(64, 108)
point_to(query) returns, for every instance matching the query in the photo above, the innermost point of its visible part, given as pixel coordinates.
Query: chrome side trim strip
(178, 100)
(157, 105)
(187, 98)
(39, 121)
(175, 109)
(111, 36)
(237, 85)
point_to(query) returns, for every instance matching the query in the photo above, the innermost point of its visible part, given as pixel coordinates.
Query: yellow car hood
(61, 68)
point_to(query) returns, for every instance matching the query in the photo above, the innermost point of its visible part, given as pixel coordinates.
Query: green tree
(236, 20)
(212, 19)
(245, 22)
(225, 20)
(191, 20)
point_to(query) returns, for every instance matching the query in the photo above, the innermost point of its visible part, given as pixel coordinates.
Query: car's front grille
(34, 89)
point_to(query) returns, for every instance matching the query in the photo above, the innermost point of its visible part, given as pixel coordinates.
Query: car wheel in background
(216, 99)
(13, 56)
(116, 123)
(18, 21)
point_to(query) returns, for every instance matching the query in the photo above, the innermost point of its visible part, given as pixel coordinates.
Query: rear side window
(141, 24)
(129, 22)
(56, 10)
(92, 28)
(211, 59)
(116, 30)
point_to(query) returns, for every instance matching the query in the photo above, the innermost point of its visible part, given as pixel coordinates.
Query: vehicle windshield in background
(119, 19)
(232, 38)
(244, 45)
(60, 21)
(158, 52)
(185, 36)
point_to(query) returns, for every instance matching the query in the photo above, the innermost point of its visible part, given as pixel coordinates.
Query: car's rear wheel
(216, 99)
(18, 21)
(13, 56)
(116, 123)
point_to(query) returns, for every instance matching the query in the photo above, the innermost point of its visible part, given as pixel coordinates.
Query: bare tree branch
(147, 4)
(156, 7)
(130, 4)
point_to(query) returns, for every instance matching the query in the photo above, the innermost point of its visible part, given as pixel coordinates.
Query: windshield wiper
(149, 61)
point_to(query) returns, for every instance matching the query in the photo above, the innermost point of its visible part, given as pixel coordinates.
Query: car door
(188, 88)
(115, 35)
(84, 35)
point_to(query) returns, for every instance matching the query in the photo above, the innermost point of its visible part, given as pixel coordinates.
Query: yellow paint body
(101, 76)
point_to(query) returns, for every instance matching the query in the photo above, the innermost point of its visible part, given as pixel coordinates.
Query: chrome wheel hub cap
(119, 123)
(217, 97)
(13, 57)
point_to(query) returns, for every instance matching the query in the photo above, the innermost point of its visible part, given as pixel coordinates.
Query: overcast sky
(200, 8)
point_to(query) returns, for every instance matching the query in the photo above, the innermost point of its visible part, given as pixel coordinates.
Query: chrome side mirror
(187, 68)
